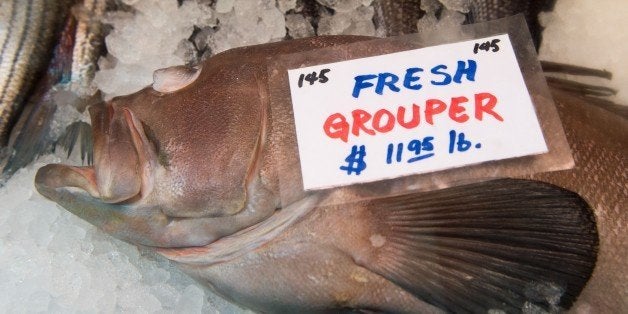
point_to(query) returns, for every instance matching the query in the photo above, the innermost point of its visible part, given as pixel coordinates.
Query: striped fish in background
(28, 32)
(51, 46)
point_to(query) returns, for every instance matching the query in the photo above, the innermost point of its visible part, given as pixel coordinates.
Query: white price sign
(412, 112)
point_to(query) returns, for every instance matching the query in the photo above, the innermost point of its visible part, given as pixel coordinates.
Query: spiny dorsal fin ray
(556, 67)
(502, 244)
(76, 131)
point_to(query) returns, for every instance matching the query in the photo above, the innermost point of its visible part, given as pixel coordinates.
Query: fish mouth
(104, 193)
(134, 221)
(55, 181)
(122, 160)
(120, 220)
(110, 193)
(53, 177)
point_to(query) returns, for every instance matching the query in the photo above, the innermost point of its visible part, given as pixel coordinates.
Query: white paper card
(412, 112)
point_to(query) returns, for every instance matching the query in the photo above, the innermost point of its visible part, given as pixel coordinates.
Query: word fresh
(412, 77)
(411, 112)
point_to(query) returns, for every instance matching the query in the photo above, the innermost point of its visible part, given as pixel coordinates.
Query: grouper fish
(188, 166)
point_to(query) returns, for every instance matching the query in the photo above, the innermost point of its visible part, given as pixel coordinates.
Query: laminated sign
(412, 112)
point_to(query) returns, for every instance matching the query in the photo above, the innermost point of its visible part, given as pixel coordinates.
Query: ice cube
(298, 26)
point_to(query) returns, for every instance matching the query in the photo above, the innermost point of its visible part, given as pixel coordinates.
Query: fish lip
(54, 180)
(59, 182)
(145, 152)
(49, 183)
(111, 218)
(52, 177)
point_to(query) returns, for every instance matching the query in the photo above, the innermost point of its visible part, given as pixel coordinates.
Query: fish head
(184, 150)
(192, 158)
(190, 150)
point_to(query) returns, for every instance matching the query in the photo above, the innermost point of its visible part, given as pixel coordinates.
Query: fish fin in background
(26, 144)
(556, 67)
(29, 137)
(580, 88)
(592, 94)
(70, 71)
(504, 244)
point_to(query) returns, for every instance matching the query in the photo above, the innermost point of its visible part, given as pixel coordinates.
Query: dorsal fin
(556, 67)
(504, 244)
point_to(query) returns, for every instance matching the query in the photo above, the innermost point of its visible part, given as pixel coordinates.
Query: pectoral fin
(503, 244)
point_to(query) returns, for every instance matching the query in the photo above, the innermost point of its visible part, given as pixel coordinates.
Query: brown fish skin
(175, 175)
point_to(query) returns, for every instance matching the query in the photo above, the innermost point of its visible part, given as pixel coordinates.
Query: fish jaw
(117, 184)
(114, 177)
(139, 221)
(54, 182)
